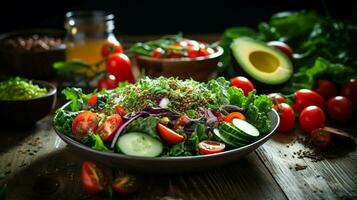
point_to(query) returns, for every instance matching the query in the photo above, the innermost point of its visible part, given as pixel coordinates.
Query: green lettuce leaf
(95, 142)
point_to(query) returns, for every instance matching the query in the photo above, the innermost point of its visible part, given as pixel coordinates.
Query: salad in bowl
(165, 117)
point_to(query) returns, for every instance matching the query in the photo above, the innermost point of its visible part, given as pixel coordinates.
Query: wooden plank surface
(329, 178)
(44, 168)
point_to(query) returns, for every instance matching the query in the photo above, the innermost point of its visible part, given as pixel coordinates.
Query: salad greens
(317, 41)
(144, 110)
(20, 89)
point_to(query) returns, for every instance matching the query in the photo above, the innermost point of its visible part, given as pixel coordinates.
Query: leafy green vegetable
(70, 66)
(144, 125)
(95, 142)
(76, 96)
(63, 121)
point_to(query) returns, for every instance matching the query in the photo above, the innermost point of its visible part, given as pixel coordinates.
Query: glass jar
(87, 31)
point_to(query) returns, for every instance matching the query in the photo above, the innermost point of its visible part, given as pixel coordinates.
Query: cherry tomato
(93, 99)
(287, 117)
(120, 110)
(283, 47)
(193, 51)
(311, 118)
(233, 115)
(169, 135)
(125, 184)
(109, 127)
(109, 82)
(181, 121)
(109, 48)
(210, 147)
(276, 97)
(340, 108)
(305, 98)
(242, 83)
(119, 65)
(321, 138)
(158, 52)
(92, 178)
(349, 90)
(83, 123)
(326, 89)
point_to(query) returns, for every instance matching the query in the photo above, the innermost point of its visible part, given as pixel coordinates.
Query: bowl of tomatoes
(176, 56)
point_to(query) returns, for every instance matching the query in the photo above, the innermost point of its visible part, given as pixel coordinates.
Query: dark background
(160, 16)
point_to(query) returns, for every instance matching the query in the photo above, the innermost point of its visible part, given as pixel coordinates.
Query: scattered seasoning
(299, 167)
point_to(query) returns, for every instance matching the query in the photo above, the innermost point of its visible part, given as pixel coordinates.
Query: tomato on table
(93, 99)
(242, 83)
(119, 65)
(340, 109)
(109, 127)
(92, 178)
(83, 123)
(169, 135)
(109, 48)
(304, 98)
(109, 82)
(276, 97)
(327, 89)
(210, 147)
(321, 138)
(349, 90)
(233, 115)
(287, 117)
(311, 118)
(125, 184)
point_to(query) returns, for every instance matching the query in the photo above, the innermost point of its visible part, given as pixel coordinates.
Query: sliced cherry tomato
(125, 184)
(210, 147)
(93, 99)
(304, 98)
(119, 65)
(311, 118)
(169, 135)
(83, 123)
(193, 51)
(109, 127)
(183, 120)
(287, 117)
(109, 48)
(206, 51)
(276, 97)
(158, 52)
(327, 89)
(110, 82)
(92, 178)
(120, 110)
(233, 115)
(242, 83)
(283, 47)
(340, 109)
(321, 138)
(349, 90)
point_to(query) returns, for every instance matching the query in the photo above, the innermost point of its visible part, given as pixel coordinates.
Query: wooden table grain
(36, 164)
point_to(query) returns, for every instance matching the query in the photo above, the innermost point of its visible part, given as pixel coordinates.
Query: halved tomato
(210, 147)
(169, 135)
(83, 123)
(184, 119)
(109, 127)
(92, 178)
(125, 184)
(120, 110)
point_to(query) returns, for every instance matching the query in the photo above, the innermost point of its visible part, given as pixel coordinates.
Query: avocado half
(260, 62)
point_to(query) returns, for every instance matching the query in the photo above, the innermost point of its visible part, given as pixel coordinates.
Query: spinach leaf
(144, 125)
(63, 121)
(76, 96)
(95, 142)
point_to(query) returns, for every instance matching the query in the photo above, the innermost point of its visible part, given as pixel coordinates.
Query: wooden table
(36, 164)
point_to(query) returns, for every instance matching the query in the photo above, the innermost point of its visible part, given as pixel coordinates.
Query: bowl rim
(72, 142)
(51, 92)
(218, 52)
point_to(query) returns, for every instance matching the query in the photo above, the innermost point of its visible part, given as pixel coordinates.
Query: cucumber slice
(139, 144)
(246, 128)
(227, 138)
(232, 130)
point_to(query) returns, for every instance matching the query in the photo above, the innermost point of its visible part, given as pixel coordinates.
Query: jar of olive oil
(87, 31)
